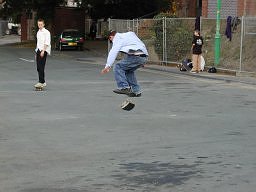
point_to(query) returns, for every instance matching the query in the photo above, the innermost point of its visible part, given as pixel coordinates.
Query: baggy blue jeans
(124, 72)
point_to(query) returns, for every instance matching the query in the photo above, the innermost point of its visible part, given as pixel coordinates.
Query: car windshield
(71, 34)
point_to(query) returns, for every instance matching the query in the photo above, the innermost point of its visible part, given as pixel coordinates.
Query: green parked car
(70, 38)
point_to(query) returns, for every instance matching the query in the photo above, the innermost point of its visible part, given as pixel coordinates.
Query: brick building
(207, 8)
(74, 18)
(187, 8)
(229, 8)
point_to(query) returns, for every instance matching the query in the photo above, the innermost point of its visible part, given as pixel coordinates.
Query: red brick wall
(24, 26)
(204, 8)
(192, 8)
(186, 8)
(68, 18)
(65, 18)
(249, 9)
(240, 7)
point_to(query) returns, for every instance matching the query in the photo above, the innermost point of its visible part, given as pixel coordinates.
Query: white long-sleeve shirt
(123, 42)
(43, 38)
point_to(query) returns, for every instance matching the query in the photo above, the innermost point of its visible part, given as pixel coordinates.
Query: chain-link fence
(101, 26)
(248, 44)
(230, 45)
(169, 40)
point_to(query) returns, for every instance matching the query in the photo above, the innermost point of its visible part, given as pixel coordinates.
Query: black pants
(40, 62)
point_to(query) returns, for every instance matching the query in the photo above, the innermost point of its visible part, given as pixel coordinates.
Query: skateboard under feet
(39, 88)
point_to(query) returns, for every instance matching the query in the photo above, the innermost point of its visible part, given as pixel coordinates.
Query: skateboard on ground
(186, 65)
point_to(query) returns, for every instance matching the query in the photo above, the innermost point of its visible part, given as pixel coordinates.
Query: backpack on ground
(212, 70)
(186, 65)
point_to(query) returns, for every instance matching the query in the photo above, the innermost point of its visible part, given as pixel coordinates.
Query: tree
(123, 9)
(11, 8)
(44, 8)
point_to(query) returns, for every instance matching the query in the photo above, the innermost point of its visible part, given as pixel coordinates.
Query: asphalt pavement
(9, 39)
(187, 133)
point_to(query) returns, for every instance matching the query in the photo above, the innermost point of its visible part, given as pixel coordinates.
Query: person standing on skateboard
(196, 49)
(43, 48)
(135, 57)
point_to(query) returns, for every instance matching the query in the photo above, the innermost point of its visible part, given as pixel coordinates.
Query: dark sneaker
(134, 94)
(126, 91)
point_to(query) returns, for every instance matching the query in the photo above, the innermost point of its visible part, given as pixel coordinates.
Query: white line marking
(27, 60)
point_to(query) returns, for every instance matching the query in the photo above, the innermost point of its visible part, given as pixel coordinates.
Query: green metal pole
(217, 35)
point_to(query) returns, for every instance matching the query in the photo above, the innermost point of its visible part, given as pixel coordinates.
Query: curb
(222, 74)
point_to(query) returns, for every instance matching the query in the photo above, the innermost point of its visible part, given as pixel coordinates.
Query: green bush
(178, 37)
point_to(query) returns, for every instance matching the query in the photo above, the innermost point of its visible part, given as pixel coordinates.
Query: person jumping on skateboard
(136, 56)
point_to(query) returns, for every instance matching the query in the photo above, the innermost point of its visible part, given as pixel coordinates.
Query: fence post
(109, 28)
(241, 44)
(137, 25)
(133, 25)
(217, 35)
(165, 31)
(201, 24)
(164, 41)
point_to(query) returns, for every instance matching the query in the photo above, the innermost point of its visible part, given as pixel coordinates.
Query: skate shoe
(38, 85)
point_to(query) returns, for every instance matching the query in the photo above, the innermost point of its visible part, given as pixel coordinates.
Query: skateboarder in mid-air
(43, 48)
(135, 57)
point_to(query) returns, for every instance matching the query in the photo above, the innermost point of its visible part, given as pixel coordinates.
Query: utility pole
(217, 35)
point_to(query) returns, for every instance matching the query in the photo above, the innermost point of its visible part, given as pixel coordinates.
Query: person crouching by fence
(196, 49)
